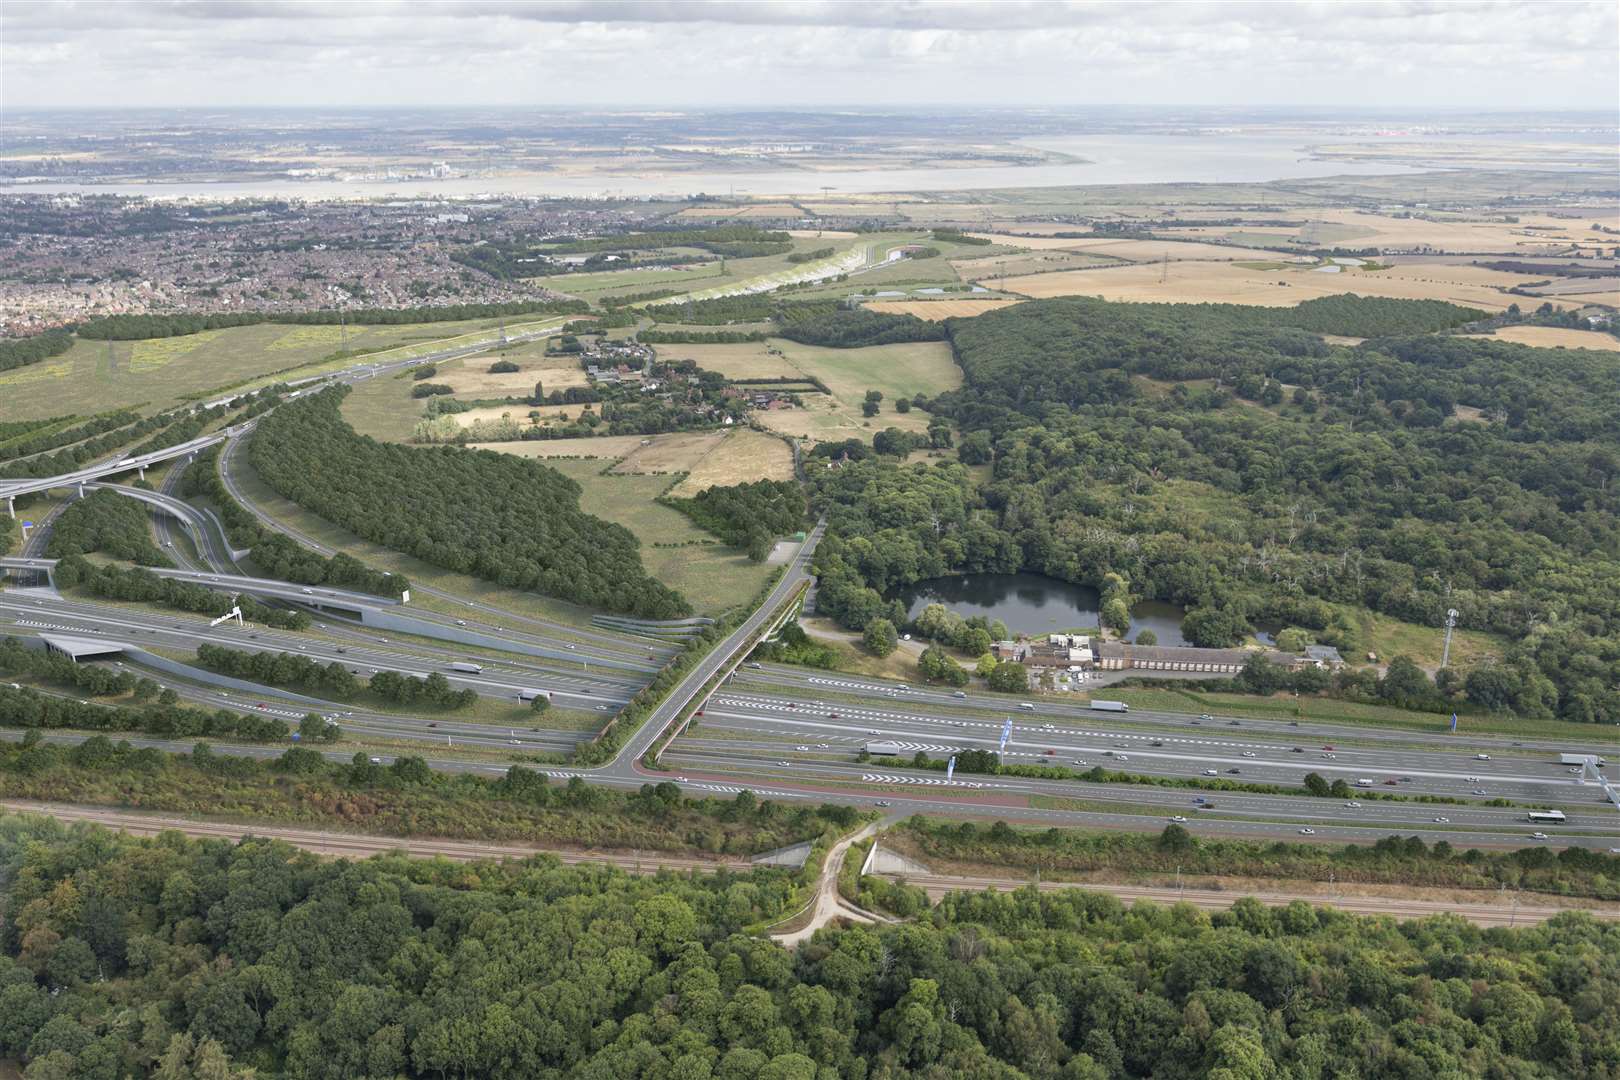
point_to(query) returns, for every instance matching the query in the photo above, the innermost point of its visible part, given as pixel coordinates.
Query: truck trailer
(1110, 706)
(466, 667)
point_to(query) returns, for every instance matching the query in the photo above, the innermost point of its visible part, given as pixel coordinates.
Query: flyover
(10, 489)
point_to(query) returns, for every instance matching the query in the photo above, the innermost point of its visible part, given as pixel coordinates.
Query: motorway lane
(1298, 809)
(794, 575)
(780, 677)
(1271, 762)
(502, 678)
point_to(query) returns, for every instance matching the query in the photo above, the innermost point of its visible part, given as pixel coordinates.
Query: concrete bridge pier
(11, 506)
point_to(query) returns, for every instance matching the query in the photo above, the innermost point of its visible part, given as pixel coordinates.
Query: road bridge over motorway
(10, 489)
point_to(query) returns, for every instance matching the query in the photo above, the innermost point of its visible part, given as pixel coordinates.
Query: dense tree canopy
(495, 516)
(1414, 474)
(112, 947)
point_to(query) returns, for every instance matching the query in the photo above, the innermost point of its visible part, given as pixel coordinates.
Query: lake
(1035, 604)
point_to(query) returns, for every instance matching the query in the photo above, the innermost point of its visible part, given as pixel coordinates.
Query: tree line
(859, 327)
(154, 711)
(143, 586)
(1393, 860)
(38, 437)
(493, 516)
(20, 352)
(748, 516)
(124, 953)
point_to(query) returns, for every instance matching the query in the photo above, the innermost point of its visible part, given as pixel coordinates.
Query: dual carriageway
(788, 733)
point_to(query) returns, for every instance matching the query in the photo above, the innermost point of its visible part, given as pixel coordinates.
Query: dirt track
(356, 845)
(1484, 914)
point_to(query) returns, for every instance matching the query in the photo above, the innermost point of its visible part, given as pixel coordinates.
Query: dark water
(1035, 604)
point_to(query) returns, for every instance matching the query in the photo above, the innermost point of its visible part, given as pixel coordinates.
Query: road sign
(28, 524)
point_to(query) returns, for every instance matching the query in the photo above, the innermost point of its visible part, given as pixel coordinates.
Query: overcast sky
(1471, 53)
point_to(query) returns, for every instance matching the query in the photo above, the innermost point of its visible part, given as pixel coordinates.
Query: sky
(810, 53)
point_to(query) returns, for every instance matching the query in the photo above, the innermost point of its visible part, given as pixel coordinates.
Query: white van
(1027, 705)
(1364, 782)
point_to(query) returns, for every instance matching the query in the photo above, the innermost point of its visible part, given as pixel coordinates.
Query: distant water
(1239, 157)
(1035, 604)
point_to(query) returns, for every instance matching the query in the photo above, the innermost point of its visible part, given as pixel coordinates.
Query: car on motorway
(882, 802)
(1234, 772)
(1538, 836)
(376, 761)
(874, 731)
(785, 764)
(832, 716)
(1121, 757)
(461, 622)
(1391, 783)
(1205, 716)
(1080, 761)
(1331, 757)
(1352, 805)
(1480, 791)
(1248, 753)
(1442, 821)
(1156, 742)
(1297, 750)
(959, 693)
(1234, 723)
(1329, 746)
(514, 742)
(1211, 772)
(1482, 757)
(434, 724)
(1307, 831)
(1179, 819)
(1471, 779)
(601, 708)
(801, 748)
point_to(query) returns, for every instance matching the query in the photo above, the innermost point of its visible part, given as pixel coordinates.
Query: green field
(711, 575)
(157, 373)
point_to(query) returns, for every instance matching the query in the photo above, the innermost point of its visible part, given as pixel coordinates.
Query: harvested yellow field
(934, 310)
(1555, 337)
(606, 446)
(1130, 250)
(743, 457)
(764, 210)
(677, 452)
(821, 234)
(710, 458)
(520, 413)
(748, 360)
(472, 378)
(1194, 283)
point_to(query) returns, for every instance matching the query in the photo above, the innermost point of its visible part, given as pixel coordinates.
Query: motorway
(793, 734)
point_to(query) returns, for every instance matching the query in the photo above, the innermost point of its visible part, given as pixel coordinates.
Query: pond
(1035, 604)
